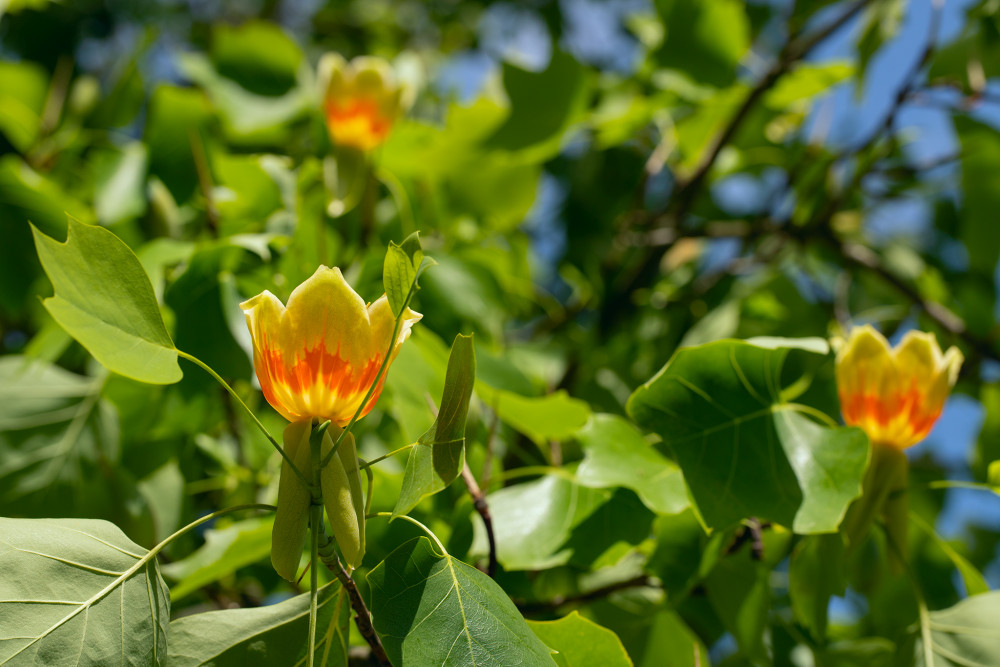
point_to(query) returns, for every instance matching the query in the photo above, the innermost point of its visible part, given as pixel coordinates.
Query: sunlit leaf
(437, 457)
(533, 521)
(963, 635)
(581, 642)
(616, 454)
(78, 588)
(431, 609)
(743, 451)
(270, 635)
(104, 300)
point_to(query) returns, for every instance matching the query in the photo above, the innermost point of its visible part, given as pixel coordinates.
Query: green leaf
(533, 521)
(980, 192)
(556, 416)
(23, 88)
(225, 550)
(739, 591)
(963, 635)
(973, 579)
(815, 573)
(431, 609)
(436, 459)
(616, 454)
(272, 635)
(403, 265)
(743, 451)
(684, 553)
(397, 276)
(104, 300)
(59, 444)
(177, 117)
(806, 81)
(705, 39)
(993, 475)
(120, 184)
(869, 651)
(247, 117)
(78, 588)
(543, 105)
(258, 55)
(581, 642)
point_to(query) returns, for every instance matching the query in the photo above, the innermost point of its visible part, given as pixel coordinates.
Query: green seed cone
(343, 497)
(291, 520)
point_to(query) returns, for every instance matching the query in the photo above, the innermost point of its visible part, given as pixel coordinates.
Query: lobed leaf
(104, 299)
(431, 609)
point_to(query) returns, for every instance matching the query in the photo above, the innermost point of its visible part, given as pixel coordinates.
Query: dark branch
(641, 581)
(479, 502)
(362, 618)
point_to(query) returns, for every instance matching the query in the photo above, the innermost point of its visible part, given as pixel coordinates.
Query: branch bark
(362, 617)
(479, 502)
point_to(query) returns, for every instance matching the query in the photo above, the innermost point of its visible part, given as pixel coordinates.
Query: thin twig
(642, 581)
(362, 617)
(479, 502)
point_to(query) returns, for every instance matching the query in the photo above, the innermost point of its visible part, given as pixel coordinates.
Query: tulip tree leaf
(438, 456)
(555, 416)
(581, 642)
(743, 451)
(403, 265)
(270, 635)
(104, 299)
(79, 588)
(533, 522)
(965, 634)
(543, 105)
(431, 609)
(616, 454)
(813, 577)
(55, 433)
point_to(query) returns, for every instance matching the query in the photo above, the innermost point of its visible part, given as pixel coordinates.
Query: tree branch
(642, 581)
(362, 617)
(479, 502)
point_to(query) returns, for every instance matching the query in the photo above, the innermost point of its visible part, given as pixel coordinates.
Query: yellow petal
(864, 364)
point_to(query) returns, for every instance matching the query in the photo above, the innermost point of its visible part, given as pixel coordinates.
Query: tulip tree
(367, 335)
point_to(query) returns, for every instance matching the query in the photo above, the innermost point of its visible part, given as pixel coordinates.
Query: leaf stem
(430, 533)
(218, 378)
(958, 484)
(367, 464)
(315, 519)
(205, 519)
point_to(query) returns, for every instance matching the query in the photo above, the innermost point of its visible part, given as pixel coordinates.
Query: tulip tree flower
(316, 359)
(361, 100)
(895, 395)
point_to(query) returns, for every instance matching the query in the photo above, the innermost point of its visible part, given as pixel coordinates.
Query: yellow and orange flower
(894, 394)
(317, 357)
(361, 100)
